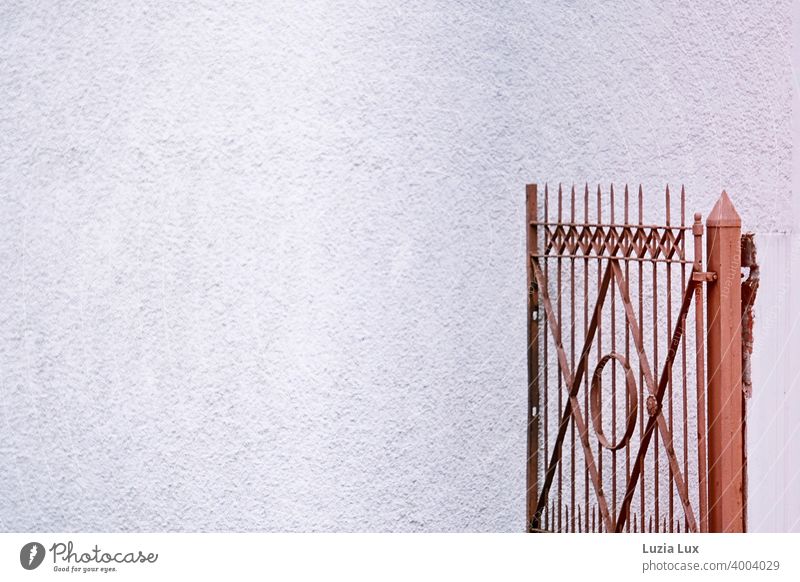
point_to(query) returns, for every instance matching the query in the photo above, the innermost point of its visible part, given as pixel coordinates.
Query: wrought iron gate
(625, 431)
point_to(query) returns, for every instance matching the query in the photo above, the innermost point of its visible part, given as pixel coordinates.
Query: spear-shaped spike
(572, 204)
(641, 206)
(586, 205)
(599, 206)
(612, 203)
(546, 213)
(668, 204)
(683, 214)
(627, 218)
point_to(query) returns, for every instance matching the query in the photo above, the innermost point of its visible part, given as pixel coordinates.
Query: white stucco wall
(262, 265)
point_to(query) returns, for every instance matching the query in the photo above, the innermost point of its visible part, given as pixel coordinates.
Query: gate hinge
(704, 276)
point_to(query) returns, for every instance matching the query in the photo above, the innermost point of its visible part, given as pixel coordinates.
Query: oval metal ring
(596, 405)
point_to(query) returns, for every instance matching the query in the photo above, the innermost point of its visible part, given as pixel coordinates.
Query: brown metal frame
(661, 407)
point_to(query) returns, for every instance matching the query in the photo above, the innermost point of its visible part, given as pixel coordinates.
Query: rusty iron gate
(626, 431)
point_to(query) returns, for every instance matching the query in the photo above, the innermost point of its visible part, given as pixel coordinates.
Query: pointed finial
(724, 213)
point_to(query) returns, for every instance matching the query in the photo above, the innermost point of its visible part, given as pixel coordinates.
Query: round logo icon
(31, 555)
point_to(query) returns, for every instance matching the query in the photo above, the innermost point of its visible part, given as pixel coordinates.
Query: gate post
(726, 496)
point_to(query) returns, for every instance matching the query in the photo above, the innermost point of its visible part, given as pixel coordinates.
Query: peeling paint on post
(749, 292)
(725, 396)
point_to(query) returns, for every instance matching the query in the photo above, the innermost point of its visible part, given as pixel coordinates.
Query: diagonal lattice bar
(600, 240)
(657, 419)
(572, 409)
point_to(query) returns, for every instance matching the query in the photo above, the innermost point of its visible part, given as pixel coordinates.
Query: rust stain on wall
(749, 291)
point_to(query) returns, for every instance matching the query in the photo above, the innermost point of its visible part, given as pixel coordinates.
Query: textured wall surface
(261, 264)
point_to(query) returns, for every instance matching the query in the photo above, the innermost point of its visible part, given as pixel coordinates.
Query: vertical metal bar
(725, 413)
(669, 385)
(585, 333)
(641, 373)
(684, 385)
(599, 331)
(546, 369)
(656, 451)
(697, 232)
(560, 376)
(613, 374)
(572, 356)
(628, 233)
(533, 356)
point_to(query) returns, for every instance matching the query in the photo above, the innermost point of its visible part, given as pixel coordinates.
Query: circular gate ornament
(596, 405)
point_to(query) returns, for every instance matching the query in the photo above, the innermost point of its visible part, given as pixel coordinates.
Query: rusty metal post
(725, 402)
(532, 480)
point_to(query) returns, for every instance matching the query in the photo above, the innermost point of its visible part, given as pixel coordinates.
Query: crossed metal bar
(572, 408)
(653, 242)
